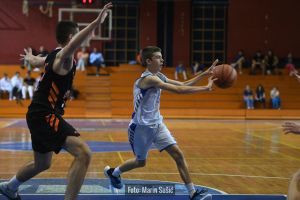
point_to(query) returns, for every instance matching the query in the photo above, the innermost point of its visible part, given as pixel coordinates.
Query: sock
(191, 189)
(13, 184)
(117, 172)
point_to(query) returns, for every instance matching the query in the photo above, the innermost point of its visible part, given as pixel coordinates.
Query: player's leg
(141, 139)
(82, 157)
(30, 91)
(24, 90)
(42, 162)
(165, 141)
(294, 187)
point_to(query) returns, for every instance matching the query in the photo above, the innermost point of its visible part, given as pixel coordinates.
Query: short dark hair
(64, 29)
(147, 53)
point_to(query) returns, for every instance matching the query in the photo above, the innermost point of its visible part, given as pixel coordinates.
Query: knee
(85, 155)
(141, 163)
(296, 176)
(42, 166)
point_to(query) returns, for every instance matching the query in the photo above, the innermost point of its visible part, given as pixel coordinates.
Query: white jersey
(147, 102)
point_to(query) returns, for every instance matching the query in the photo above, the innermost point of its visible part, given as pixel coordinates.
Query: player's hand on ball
(211, 83)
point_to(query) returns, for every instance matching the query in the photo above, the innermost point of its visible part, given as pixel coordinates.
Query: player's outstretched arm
(76, 41)
(290, 127)
(35, 61)
(297, 76)
(154, 81)
(197, 78)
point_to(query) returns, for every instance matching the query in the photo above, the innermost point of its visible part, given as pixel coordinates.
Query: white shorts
(142, 137)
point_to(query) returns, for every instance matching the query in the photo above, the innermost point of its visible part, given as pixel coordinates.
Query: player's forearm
(37, 61)
(76, 41)
(194, 80)
(191, 89)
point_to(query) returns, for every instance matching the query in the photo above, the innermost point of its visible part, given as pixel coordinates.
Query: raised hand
(28, 55)
(290, 127)
(104, 12)
(297, 76)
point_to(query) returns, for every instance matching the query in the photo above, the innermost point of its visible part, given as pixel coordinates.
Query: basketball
(225, 74)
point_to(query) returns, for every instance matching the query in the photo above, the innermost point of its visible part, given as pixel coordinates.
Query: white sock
(14, 183)
(117, 172)
(190, 188)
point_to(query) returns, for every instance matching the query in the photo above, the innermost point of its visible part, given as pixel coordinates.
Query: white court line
(175, 173)
(10, 123)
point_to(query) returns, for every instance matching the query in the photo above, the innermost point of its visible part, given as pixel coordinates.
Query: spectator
(137, 60)
(275, 98)
(17, 84)
(74, 93)
(180, 69)
(239, 61)
(6, 86)
(260, 96)
(96, 59)
(197, 68)
(257, 61)
(82, 59)
(290, 66)
(43, 52)
(248, 97)
(271, 62)
(28, 86)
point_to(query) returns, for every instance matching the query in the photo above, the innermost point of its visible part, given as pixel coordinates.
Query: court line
(118, 152)
(267, 139)
(176, 173)
(9, 123)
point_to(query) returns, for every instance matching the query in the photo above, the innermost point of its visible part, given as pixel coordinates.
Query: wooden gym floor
(235, 156)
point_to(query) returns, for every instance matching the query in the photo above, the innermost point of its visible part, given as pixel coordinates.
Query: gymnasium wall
(252, 25)
(18, 31)
(263, 24)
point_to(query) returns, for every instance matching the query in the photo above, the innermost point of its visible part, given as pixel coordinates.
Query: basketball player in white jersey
(147, 127)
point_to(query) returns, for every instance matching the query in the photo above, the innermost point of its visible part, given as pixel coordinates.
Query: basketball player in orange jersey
(294, 187)
(147, 127)
(49, 131)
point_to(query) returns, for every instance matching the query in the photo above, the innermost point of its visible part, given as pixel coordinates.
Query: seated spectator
(275, 98)
(43, 52)
(180, 69)
(37, 80)
(257, 61)
(74, 93)
(28, 86)
(6, 86)
(290, 66)
(260, 96)
(239, 61)
(271, 63)
(138, 59)
(197, 68)
(17, 84)
(96, 59)
(82, 59)
(248, 97)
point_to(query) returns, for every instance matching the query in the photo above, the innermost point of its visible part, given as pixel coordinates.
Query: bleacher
(111, 97)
